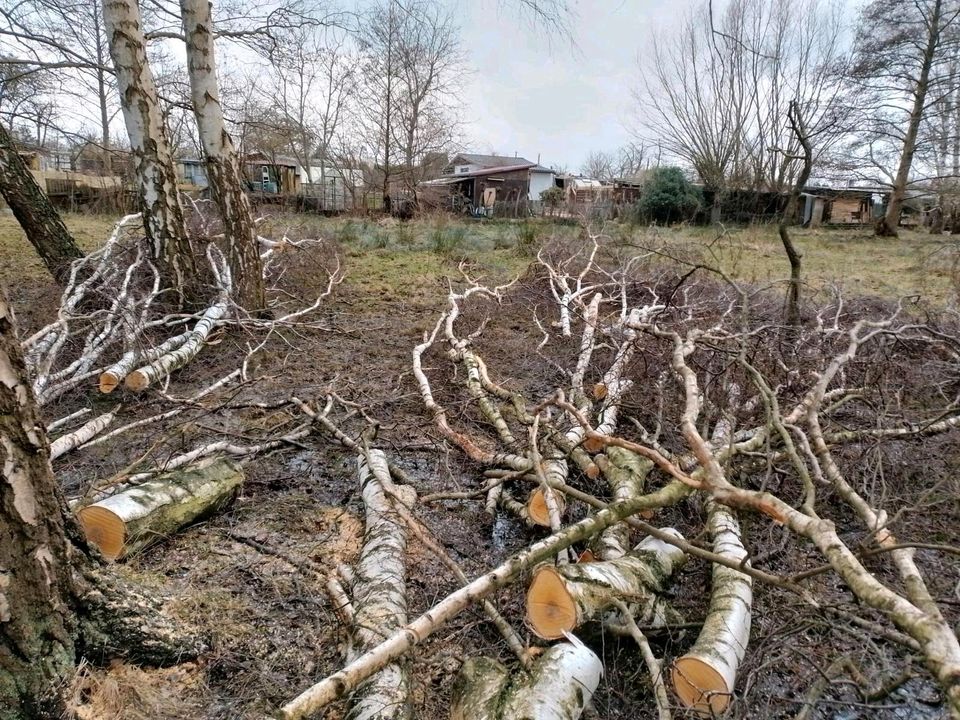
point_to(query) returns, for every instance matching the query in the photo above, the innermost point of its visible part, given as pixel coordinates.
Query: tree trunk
(153, 161)
(37, 638)
(223, 167)
(558, 686)
(380, 592)
(560, 599)
(888, 224)
(705, 676)
(38, 218)
(144, 514)
(794, 256)
(55, 602)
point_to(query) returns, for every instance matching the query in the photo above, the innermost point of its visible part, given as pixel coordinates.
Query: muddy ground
(270, 627)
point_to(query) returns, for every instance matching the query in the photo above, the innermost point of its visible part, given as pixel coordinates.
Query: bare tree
(900, 71)
(65, 43)
(694, 98)
(430, 73)
(223, 167)
(153, 161)
(411, 62)
(717, 98)
(599, 165)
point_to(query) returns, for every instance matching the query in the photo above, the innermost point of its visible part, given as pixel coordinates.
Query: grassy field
(402, 258)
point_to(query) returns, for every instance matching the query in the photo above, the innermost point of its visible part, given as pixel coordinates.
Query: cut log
(561, 599)
(141, 378)
(135, 518)
(704, 678)
(537, 511)
(379, 591)
(558, 686)
(65, 443)
(116, 373)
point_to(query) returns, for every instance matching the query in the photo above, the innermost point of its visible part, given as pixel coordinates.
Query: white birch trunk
(117, 373)
(141, 378)
(223, 166)
(380, 593)
(704, 678)
(558, 686)
(153, 160)
(626, 473)
(135, 518)
(561, 599)
(65, 443)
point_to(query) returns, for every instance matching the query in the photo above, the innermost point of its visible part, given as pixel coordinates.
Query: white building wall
(540, 181)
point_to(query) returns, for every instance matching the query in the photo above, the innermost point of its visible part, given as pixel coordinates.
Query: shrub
(527, 234)
(447, 241)
(349, 233)
(669, 197)
(405, 234)
(552, 197)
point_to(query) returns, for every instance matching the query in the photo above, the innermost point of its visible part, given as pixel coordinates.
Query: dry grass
(21, 263)
(913, 264)
(401, 261)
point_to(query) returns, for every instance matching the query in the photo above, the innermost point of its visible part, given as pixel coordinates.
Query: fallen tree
(576, 440)
(379, 593)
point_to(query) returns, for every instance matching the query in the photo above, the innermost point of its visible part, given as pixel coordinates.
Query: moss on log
(557, 686)
(139, 516)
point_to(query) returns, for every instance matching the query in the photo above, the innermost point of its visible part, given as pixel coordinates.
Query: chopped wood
(65, 443)
(561, 599)
(558, 686)
(705, 676)
(142, 515)
(379, 590)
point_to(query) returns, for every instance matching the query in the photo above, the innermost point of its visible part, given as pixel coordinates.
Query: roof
(482, 172)
(542, 169)
(258, 157)
(490, 161)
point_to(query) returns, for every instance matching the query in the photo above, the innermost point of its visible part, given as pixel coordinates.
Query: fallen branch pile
(739, 432)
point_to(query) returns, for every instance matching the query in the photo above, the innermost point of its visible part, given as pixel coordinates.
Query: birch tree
(899, 74)
(411, 62)
(223, 167)
(153, 161)
(56, 603)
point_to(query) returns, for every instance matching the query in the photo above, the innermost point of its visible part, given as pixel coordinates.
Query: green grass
(399, 260)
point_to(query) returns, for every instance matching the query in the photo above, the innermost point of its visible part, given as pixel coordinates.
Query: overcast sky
(532, 95)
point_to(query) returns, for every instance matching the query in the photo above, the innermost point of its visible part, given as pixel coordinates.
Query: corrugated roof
(488, 161)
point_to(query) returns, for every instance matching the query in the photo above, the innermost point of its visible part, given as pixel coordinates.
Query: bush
(552, 197)
(669, 197)
(447, 241)
(405, 234)
(527, 234)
